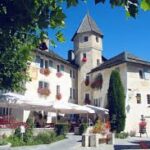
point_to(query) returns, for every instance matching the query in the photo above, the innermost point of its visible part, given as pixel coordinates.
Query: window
(84, 55)
(147, 74)
(85, 39)
(141, 74)
(87, 96)
(71, 73)
(138, 98)
(50, 63)
(148, 98)
(43, 84)
(58, 68)
(97, 39)
(46, 63)
(41, 63)
(98, 61)
(58, 89)
(74, 93)
(96, 102)
(40, 84)
(62, 67)
(70, 93)
(5, 111)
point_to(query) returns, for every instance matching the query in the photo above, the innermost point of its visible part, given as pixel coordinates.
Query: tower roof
(87, 25)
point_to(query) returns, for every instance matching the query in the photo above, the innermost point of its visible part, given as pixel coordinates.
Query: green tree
(116, 102)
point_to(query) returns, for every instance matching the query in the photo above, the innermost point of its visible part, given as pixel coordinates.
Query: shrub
(121, 135)
(3, 142)
(15, 141)
(61, 129)
(82, 128)
(48, 137)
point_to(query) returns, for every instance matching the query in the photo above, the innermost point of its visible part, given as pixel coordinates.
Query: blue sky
(120, 33)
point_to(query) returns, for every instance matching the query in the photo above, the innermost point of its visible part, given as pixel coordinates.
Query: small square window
(138, 98)
(85, 39)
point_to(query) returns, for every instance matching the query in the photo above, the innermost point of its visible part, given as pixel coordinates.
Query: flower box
(59, 74)
(84, 59)
(44, 91)
(45, 71)
(58, 96)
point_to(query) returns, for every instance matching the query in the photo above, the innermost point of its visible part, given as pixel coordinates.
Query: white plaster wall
(102, 93)
(134, 110)
(65, 82)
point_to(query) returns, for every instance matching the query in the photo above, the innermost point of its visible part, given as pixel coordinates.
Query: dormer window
(85, 38)
(97, 39)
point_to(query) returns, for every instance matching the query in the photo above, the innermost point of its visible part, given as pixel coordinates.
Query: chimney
(71, 56)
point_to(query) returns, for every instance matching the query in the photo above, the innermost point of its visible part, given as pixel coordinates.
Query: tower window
(84, 55)
(97, 39)
(85, 39)
(138, 98)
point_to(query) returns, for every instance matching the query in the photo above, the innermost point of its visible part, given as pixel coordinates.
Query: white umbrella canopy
(98, 109)
(14, 100)
(70, 108)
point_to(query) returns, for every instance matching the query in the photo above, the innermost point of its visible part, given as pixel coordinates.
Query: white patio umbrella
(15, 100)
(98, 109)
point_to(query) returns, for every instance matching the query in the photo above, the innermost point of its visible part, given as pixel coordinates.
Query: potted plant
(59, 74)
(84, 59)
(44, 91)
(58, 96)
(45, 71)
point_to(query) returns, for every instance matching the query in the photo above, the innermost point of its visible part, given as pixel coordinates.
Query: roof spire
(88, 25)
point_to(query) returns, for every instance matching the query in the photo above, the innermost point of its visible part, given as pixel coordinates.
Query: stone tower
(88, 52)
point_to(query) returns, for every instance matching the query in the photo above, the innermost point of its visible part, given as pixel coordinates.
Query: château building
(84, 77)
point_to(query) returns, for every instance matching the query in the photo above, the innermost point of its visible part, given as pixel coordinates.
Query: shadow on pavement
(139, 145)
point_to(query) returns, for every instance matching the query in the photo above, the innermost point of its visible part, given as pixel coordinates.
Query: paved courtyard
(73, 142)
